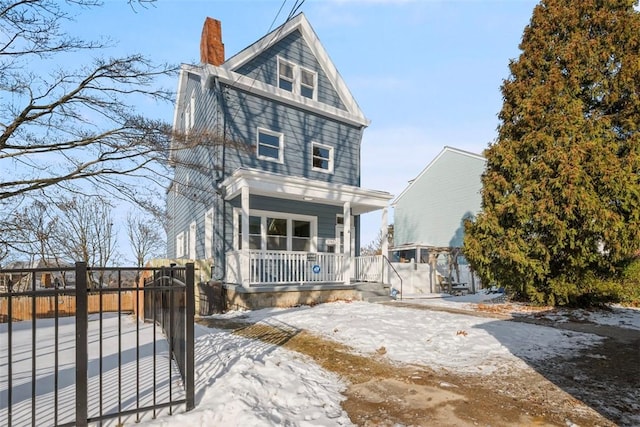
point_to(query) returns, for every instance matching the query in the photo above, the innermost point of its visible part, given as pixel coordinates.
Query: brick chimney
(211, 46)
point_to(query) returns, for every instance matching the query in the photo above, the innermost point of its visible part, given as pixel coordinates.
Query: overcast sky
(426, 73)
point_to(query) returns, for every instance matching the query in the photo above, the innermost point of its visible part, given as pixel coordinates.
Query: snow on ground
(113, 349)
(623, 317)
(245, 382)
(466, 344)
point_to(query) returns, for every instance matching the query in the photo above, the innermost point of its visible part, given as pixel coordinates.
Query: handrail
(395, 271)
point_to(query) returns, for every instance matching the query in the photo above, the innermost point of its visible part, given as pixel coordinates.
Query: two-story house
(266, 163)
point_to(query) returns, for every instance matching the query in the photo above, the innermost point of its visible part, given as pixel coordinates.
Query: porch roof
(305, 190)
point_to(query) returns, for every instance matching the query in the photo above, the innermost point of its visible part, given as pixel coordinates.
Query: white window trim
(313, 247)
(331, 156)
(208, 234)
(189, 114)
(180, 245)
(315, 82)
(192, 240)
(293, 68)
(192, 104)
(280, 136)
(296, 83)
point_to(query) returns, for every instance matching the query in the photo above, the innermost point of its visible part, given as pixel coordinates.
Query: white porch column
(385, 243)
(385, 232)
(245, 264)
(347, 243)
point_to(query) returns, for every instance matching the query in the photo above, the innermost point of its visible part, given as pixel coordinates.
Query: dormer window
(296, 79)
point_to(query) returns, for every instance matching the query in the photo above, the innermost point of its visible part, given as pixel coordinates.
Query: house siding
(197, 167)
(433, 209)
(293, 48)
(245, 112)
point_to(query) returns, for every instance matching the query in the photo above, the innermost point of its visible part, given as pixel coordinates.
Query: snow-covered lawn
(248, 382)
(113, 350)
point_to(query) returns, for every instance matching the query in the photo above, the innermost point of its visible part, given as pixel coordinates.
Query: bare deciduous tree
(145, 238)
(85, 231)
(375, 246)
(32, 233)
(61, 128)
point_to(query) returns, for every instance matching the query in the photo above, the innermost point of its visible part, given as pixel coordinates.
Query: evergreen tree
(561, 192)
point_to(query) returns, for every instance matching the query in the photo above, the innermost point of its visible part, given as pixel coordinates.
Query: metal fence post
(190, 313)
(81, 344)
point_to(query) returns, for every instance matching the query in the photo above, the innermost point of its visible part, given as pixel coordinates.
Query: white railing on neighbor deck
(284, 268)
(368, 268)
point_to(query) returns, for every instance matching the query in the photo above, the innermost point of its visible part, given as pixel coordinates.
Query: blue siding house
(266, 158)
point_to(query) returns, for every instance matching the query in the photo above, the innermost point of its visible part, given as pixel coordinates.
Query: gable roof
(226, 72)
(446, 149)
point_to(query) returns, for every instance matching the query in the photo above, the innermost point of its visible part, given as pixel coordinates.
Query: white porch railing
(368, 268)
(295, 268)
(284, 268)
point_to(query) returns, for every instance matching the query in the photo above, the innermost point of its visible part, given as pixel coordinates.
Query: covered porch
(253, 262)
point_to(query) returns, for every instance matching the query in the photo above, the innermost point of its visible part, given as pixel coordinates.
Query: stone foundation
(239, 298)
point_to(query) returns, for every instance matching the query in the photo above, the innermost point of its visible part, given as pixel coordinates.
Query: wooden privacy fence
(45, 306)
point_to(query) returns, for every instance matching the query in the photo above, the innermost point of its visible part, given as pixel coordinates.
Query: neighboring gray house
(429, 214)
(267, 163)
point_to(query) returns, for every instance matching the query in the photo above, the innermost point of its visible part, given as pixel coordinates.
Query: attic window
(296, 79)
(285, 74)
(307, 83)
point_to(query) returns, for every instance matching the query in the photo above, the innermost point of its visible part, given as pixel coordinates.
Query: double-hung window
(276, 234)
(270, 145)
(192, 240)
(296, 79)
(190, 114)
(321, 157)
(208, 234)
(255, 232)
(301, 236)
(308, 83)
(180, 245)
(285, 75)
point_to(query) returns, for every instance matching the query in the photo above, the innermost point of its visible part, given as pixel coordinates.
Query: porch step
(374, 292)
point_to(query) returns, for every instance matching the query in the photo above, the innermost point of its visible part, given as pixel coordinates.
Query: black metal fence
(82, 345)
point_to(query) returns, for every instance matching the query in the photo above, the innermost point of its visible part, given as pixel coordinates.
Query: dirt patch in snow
(380, 393)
